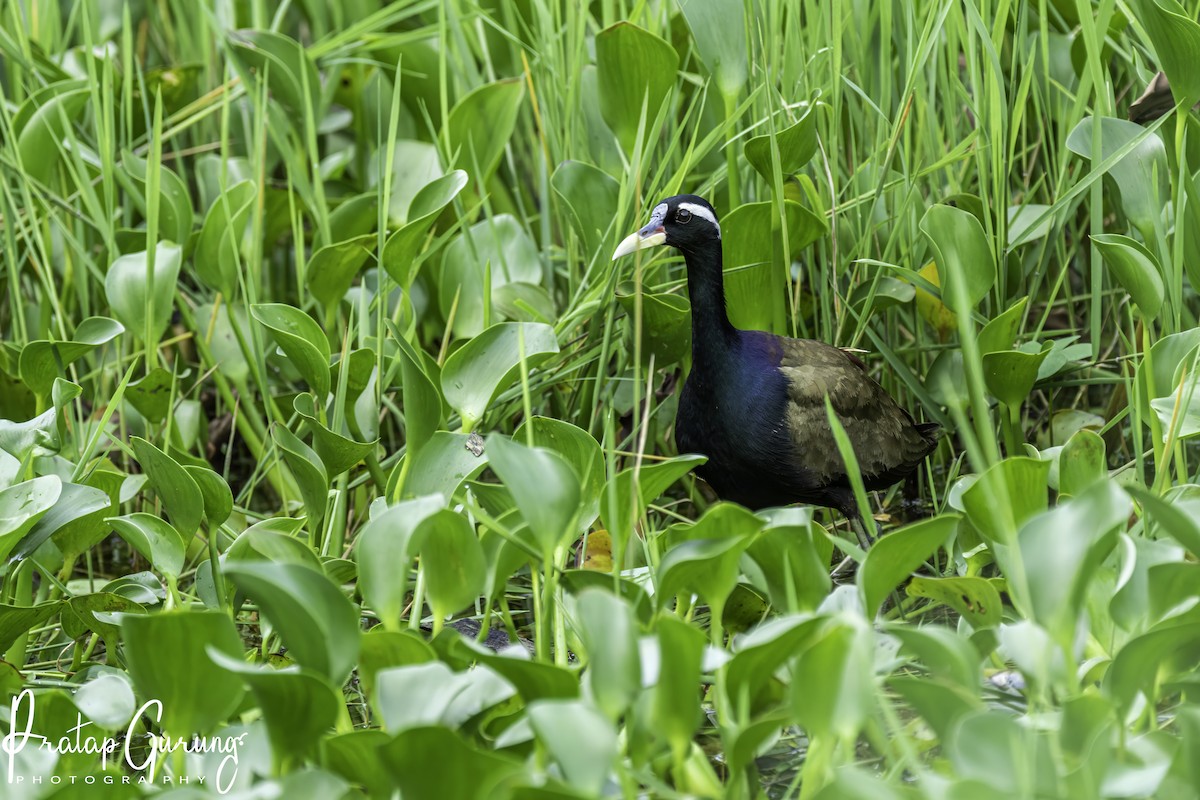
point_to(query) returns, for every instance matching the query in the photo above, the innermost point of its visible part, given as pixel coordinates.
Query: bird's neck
(712, 332)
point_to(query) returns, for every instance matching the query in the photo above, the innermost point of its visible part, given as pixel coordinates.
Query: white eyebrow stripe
(704, 213)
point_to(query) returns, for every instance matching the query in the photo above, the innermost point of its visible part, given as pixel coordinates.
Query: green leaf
(16, 620)
(580, 450)
(309, 471)
(495, 252)
(1136, 269)
(40, 140)
(1141, 178)
(337, 452)
(22, 505)
(832, 690)
(283, 63)
(164, 652)
(174, 486)
(442, 466)
(156, 539)
(217, 261)
(175, 215)
(976, 599)
(151, 395)
(1081, 462)
(431, 693)
(302, 341)
(591, 197)
(666, 324)
(609, 632)
(628, 492)
(634, 68)
(965, 263)
(481, 124)
(1010, 493)
(1145, 661)
(483, 367)
(1176, 39)
(1001, 331)
(793, 559)
(451, 560)
(676, 712)
(315, 620)
(464, 770)
(719, 28)
(544, 486)
(44, 360)
(578, 738)
(129, 293)
(422, 401)
(400, 252)
(333, 268)
(707, 567)
(1011, 374)
(897, 555)
(1177, 513)
(797, 145)
(384, 556)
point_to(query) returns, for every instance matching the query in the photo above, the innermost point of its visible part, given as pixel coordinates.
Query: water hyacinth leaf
(151, 394)
(719, 28)
(882, 293)
(976, 599)
(128, 291)
(301, 340)
(76, 520)
(965, 263)
(1179, 412)
(283, 63)
(1011, 374)
(464, 770)
(793, 560)
(173, 485)
(1001, 331)
(337, 452)
(1143, 663)
(1177, 513)
(666, 324)
(355, 756)
(797, 145)
(578, 738)
(383, 554)
(1081, 462)
(431, 693)
(312, 616)
(634, 69)
(451, 560)
(534, 680)
(627, 493)
(40, 141)
(897, 555)
(579, 449)
(216, 328)
(591, 197)
(16, 620)
(481, 124)
(308, 470)
(476, 372)
(156, 539)
(676, 711)
(422, 401)
(706, 567)
(163, 651)
(218, 498)
(297, 706)
(1061, 549)
(832, 680)
(608, 629)
(940, 650)
(1166, 360)
(356, 216)
(333, 268)
(1006, 759)
(1023, 224)
(400, 251)
(493, 252)
(1006, 496)
(22, 505)
(1135, 268)
(1176, 38)
(217, 260)
(107, 701)
(545, 487)
(42, 361)
(1141, 177)
(175, 215)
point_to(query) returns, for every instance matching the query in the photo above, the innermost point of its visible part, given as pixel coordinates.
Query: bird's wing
(882, 433)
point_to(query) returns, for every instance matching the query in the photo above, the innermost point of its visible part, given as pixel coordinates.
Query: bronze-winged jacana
(754, 402)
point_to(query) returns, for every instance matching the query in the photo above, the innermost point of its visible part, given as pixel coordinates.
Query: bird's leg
(865, 539)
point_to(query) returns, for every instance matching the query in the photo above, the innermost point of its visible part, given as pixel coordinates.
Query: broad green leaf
(578, 738)
(132, 290)
(1141, 178)
(337, 452)
(976, 599)
(333, 268)
(451, 560)
(897, 555)
(173, 485)
(481, 124)
(400, 252)
(545, 487)
(16, 620)
(151, 395)
(175, 215)
(494, 252)
(384, 556)
(1011, 374)
(635, 69)
(217, 259)
(797, 145)
(218, 498)
(156, 539)
(465, 771)
(592, 198)
(1176, 37)
(706, 567)
(107, 700)
(76, 521)
(964, 259)
(382, 649)
(1177, 513)
(1006, 496)
(431, 693)
(942, 652)
(85, 613)
(1167, 358)
(355, 756)
(628, 492)
(1136, 269)
(1000, 333)
(44, 360)
(719, 28)
(315, 620)
(580, 450)
(284, 64)
(485, 366)
(215, 327)
(1081, 462)
(301, 340)
(1144, 662)
(677, 710)
(164, 652)
(793, 560)
(608, 630)
(832, 681)
(308, 469)
(22, 505)
(422, 402)
(666, 324)
(441, 466)
(40, 140)
(1007, 759)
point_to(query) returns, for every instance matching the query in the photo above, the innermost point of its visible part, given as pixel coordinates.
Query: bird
(754, 402)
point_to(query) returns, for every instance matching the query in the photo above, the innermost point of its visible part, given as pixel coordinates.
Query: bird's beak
(650, 236)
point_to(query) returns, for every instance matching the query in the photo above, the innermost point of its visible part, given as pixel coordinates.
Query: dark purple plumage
(754, 402)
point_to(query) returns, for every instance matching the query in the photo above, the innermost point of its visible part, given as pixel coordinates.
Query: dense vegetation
(312, 342)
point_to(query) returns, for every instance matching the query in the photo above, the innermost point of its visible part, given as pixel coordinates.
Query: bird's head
(685, 222)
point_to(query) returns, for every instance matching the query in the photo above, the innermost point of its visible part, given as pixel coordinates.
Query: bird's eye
(682, 216)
